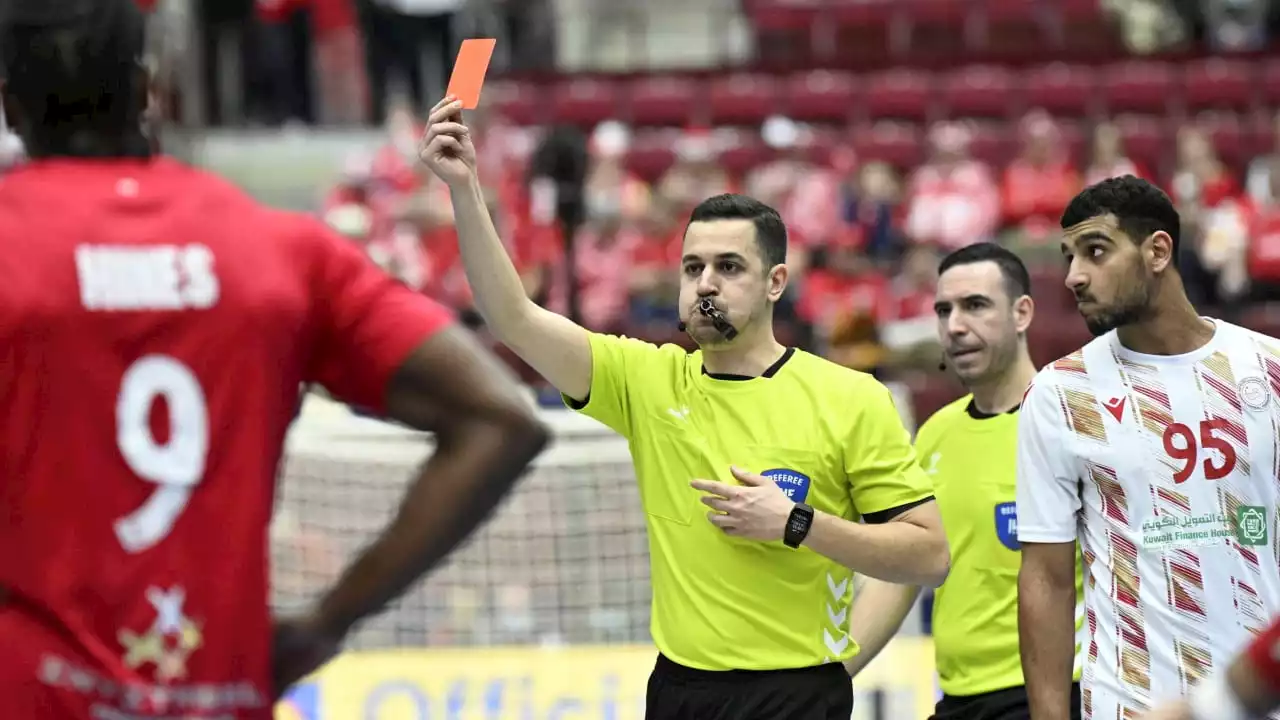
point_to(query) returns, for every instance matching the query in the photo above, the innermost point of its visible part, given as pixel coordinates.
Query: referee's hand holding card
(757, 509)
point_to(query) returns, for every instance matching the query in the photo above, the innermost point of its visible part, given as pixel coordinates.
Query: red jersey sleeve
(366, 322)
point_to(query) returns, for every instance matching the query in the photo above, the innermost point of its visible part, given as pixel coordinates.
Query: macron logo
(1115, 406)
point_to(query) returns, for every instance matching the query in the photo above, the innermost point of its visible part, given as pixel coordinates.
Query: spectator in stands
(912, 290)
(1263, 168)
(844, 285)
(348, 206)
(805, 192)
(12, 150)
(855, 343)
(601, 266)
(610, 188)
(1039, 183)
(696, 174)
(953, 199)
(409, 46)
(394, 164)
(1215, 219)
(1201, 180)
(653, 287)
(1108, 158)
(1264, 237)
(908, 323)
(869, 198)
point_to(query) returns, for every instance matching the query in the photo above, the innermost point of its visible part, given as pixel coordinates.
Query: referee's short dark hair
(771, 233)
(74, 69)
(1017, 281)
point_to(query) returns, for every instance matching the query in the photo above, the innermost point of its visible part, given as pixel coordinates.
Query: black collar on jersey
(768, 373)
(977, 414)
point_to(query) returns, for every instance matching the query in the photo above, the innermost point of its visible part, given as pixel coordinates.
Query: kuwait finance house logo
(794, 483)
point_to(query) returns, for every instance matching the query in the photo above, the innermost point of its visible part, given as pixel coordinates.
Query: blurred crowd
(865, 237)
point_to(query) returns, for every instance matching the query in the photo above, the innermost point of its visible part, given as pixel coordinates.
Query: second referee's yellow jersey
(828, 435)
(970, 457)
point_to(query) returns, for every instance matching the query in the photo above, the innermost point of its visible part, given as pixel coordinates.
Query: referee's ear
(1024, 311)
(777, 277)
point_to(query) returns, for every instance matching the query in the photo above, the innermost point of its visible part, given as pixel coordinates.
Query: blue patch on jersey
(302, 702)
(795, 484)
(1007, 525)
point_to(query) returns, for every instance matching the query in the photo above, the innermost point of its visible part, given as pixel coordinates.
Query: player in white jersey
(1156, 446)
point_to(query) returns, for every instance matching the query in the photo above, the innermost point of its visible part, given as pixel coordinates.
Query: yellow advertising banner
(572, 683)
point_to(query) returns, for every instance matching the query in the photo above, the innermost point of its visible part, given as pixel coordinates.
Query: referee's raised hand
(446, 145)
(757, 509)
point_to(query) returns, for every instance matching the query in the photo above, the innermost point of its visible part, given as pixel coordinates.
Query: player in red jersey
(1249, 689)
(155, 327)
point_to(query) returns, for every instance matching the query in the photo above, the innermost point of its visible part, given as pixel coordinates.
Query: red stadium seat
(1227, 135)
(897, 143)
(1146, 141)
(1061, 89)
(859, 13)
(1270, 83)
(1075, 140)
(1259, 135)
(741, 150)
(742, 98)
(585, 101)
(981, 91)
(899, 94)
(783, 14)
(820, 95)
(518, 102)
(652, 152)
(1012, 28)
(993, 143)
(1219, 83)
(1140, 86)
(666, 100)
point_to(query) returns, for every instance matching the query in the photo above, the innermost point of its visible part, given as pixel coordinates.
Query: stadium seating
(872, 75)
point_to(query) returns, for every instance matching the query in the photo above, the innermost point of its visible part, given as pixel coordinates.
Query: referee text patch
(794, 484)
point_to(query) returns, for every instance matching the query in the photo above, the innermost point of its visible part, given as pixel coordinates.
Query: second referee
(755, 461)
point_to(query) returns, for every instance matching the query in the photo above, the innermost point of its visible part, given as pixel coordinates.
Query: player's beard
(1132, 305)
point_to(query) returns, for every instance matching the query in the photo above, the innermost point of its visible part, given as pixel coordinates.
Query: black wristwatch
(798, 524)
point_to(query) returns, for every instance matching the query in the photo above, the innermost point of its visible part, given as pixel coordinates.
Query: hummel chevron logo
(835, 646)
(837, 590)
(837, 618)
(1115, 406)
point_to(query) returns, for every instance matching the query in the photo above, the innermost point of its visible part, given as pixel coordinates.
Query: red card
(469, 71)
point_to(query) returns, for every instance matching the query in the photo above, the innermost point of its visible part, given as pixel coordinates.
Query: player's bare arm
(1046, 626)
(878, 610)
(485, 436)
(911, 548)
(558, 348)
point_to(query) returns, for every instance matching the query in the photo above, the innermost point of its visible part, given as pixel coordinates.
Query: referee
(984, 308)
(755, 461)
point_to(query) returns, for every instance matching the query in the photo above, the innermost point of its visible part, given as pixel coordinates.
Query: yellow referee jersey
(829, 436)
(970, 457)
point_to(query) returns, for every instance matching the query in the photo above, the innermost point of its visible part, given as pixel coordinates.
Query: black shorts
(676, 692)
(1010, 704)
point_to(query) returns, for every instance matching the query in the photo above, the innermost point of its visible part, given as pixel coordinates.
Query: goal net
(551, 595)
(562, 561)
